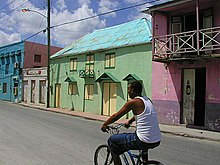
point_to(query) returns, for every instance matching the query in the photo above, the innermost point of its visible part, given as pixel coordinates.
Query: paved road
(34, 137)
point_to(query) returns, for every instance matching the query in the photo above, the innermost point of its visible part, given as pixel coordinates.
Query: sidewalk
(174, 130)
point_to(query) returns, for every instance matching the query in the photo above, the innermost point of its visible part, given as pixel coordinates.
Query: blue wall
(11, 64)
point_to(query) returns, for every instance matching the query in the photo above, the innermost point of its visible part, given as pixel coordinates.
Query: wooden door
(42, 92)
(57, 95)
(189, 96)
(25, 91)
(109, 98)
(33, 85)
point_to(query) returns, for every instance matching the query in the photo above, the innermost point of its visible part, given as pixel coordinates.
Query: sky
(17, 26)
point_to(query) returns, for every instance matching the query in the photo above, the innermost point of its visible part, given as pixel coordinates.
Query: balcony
(187, 45)
(86, 73)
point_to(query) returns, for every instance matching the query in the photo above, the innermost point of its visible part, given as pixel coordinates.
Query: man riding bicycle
(147, 134)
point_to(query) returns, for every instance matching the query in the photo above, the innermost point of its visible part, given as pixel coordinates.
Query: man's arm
(129, 122)
(125, 109)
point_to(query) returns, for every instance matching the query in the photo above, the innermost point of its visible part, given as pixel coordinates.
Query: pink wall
(160, 24)
(167, 89)
(35, 48)
(166, 83)
(213, 81)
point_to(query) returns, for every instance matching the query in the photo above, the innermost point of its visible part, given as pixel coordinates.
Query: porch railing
(187, 43)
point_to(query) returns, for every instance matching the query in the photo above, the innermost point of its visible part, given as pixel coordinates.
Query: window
(6, 68)
(73, 64)
(7, 58)
(72, 89)
(89, 90)
(13, 57)
(90, 62)
(4, 87)
(37, 58)
(110, 60)
(18, 54)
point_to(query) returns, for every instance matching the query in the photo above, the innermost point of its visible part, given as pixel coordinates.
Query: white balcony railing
(180, 44)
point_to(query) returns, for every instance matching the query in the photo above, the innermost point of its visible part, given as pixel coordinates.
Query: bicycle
(103, 156)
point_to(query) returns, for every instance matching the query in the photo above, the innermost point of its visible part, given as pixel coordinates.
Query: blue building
(11, 64)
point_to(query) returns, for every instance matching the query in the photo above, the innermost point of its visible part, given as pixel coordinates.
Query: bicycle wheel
(103, 155)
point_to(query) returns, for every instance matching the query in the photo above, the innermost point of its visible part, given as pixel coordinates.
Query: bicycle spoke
(103, 156)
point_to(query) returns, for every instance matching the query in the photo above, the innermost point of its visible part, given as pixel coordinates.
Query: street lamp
(48, 48)
(30, 10)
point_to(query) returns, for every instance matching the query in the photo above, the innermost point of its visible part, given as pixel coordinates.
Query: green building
(92, 74)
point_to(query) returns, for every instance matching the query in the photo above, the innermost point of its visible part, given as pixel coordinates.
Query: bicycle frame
(132, 157)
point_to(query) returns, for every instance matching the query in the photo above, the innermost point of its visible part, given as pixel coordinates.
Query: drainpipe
(153, 35)
(197, 25)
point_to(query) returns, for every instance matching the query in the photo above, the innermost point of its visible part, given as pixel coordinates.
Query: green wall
(129, 60)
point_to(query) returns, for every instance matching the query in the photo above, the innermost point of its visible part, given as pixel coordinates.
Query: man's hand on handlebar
(127, 124)
(105, 128)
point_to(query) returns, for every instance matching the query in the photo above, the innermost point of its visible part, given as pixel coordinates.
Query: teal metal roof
(127, 34)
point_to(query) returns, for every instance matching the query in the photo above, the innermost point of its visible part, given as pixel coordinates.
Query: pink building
(186, 62)
(35, 54)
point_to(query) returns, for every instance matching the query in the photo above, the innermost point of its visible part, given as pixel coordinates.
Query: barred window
(90, 62)
(110, 60)
(72, 89)
(89, 91)
(73, 64)
(37, 58)
(4, 87)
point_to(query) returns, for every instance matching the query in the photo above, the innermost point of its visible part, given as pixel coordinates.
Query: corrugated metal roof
(127, 34)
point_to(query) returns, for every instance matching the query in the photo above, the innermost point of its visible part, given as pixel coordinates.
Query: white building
(34, 86)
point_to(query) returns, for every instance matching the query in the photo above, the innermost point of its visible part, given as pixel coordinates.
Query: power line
(13, 9)
(98, 15)
(7, 5)
(105, 13)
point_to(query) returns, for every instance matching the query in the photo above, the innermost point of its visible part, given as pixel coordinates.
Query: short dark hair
(136, 86)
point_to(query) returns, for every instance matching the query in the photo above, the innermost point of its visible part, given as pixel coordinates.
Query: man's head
(134, 89)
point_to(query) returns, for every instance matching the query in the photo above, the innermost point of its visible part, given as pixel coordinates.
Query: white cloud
(9, 38)
(61, 5)
(29, 23)
(18, 24)
(68, 33)
(82, 2)
(134, 1)
(136, 13)
(108, 5)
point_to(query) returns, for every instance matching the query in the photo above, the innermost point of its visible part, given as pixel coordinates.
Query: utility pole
(48, 53)
(48, 47)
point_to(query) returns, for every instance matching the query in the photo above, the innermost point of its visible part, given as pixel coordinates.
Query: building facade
(13, 59)
(93, 73)
(186, 62)
(34, 85)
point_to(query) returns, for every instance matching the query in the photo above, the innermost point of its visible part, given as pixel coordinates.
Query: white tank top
(147, 127)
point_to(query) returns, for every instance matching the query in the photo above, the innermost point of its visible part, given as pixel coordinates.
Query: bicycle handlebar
(114, 129)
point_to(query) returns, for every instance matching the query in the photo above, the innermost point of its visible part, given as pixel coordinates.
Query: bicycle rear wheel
(103, 155)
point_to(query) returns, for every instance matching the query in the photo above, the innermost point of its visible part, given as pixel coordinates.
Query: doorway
(57, 95)
(109, 98)
(194, 87)
(25, 91)
(42, 92)
(33, 85)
